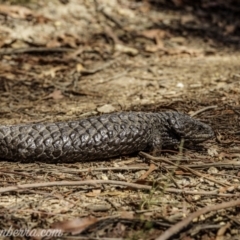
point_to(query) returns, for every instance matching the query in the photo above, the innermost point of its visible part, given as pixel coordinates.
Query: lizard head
(181, 126)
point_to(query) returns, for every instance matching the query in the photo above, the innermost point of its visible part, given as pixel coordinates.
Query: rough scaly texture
(100, 136)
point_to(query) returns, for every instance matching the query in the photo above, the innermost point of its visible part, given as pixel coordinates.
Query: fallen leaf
(53, 43)
(20, 12)
(183, 49)
(15, 11)
(178, 3)
(222, 189)
(129, 215)
(52, 71)
(125, 49)
(104, 177)
(68, 40)
(149, 171)
(74, 226)
(154, 34)
(112, 193)
(229, 29)
(188, 19)
(158, 36)
(56, 95)
(179, 172)
(222, 155)
(99, 207)
(80, 67)
(221, 232)
(120, 176)
(93, 193)
(231, 189)
(179, 40)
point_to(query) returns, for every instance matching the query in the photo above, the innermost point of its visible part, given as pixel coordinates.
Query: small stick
(95, 182)
(181, 167)
(73, 183)
(9, 51)
(203, 110)
(186, 221)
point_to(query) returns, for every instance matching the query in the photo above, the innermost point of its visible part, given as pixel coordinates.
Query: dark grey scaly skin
(99, 137)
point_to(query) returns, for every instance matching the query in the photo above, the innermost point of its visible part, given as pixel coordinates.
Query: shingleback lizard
(99, 137)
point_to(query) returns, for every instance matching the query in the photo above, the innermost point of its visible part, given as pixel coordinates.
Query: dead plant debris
(62, 60)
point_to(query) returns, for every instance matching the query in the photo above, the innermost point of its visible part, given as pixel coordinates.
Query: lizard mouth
(200, 138)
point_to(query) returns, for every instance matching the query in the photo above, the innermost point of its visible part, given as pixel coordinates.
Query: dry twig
(181, 167)
(73, 183)
(120, 183)
(203, 110)
(9, 51)
(186, 221)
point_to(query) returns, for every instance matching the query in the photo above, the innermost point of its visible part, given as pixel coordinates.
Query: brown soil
(63, 60)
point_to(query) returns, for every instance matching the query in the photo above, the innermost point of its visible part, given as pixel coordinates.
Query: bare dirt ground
(63, 60)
